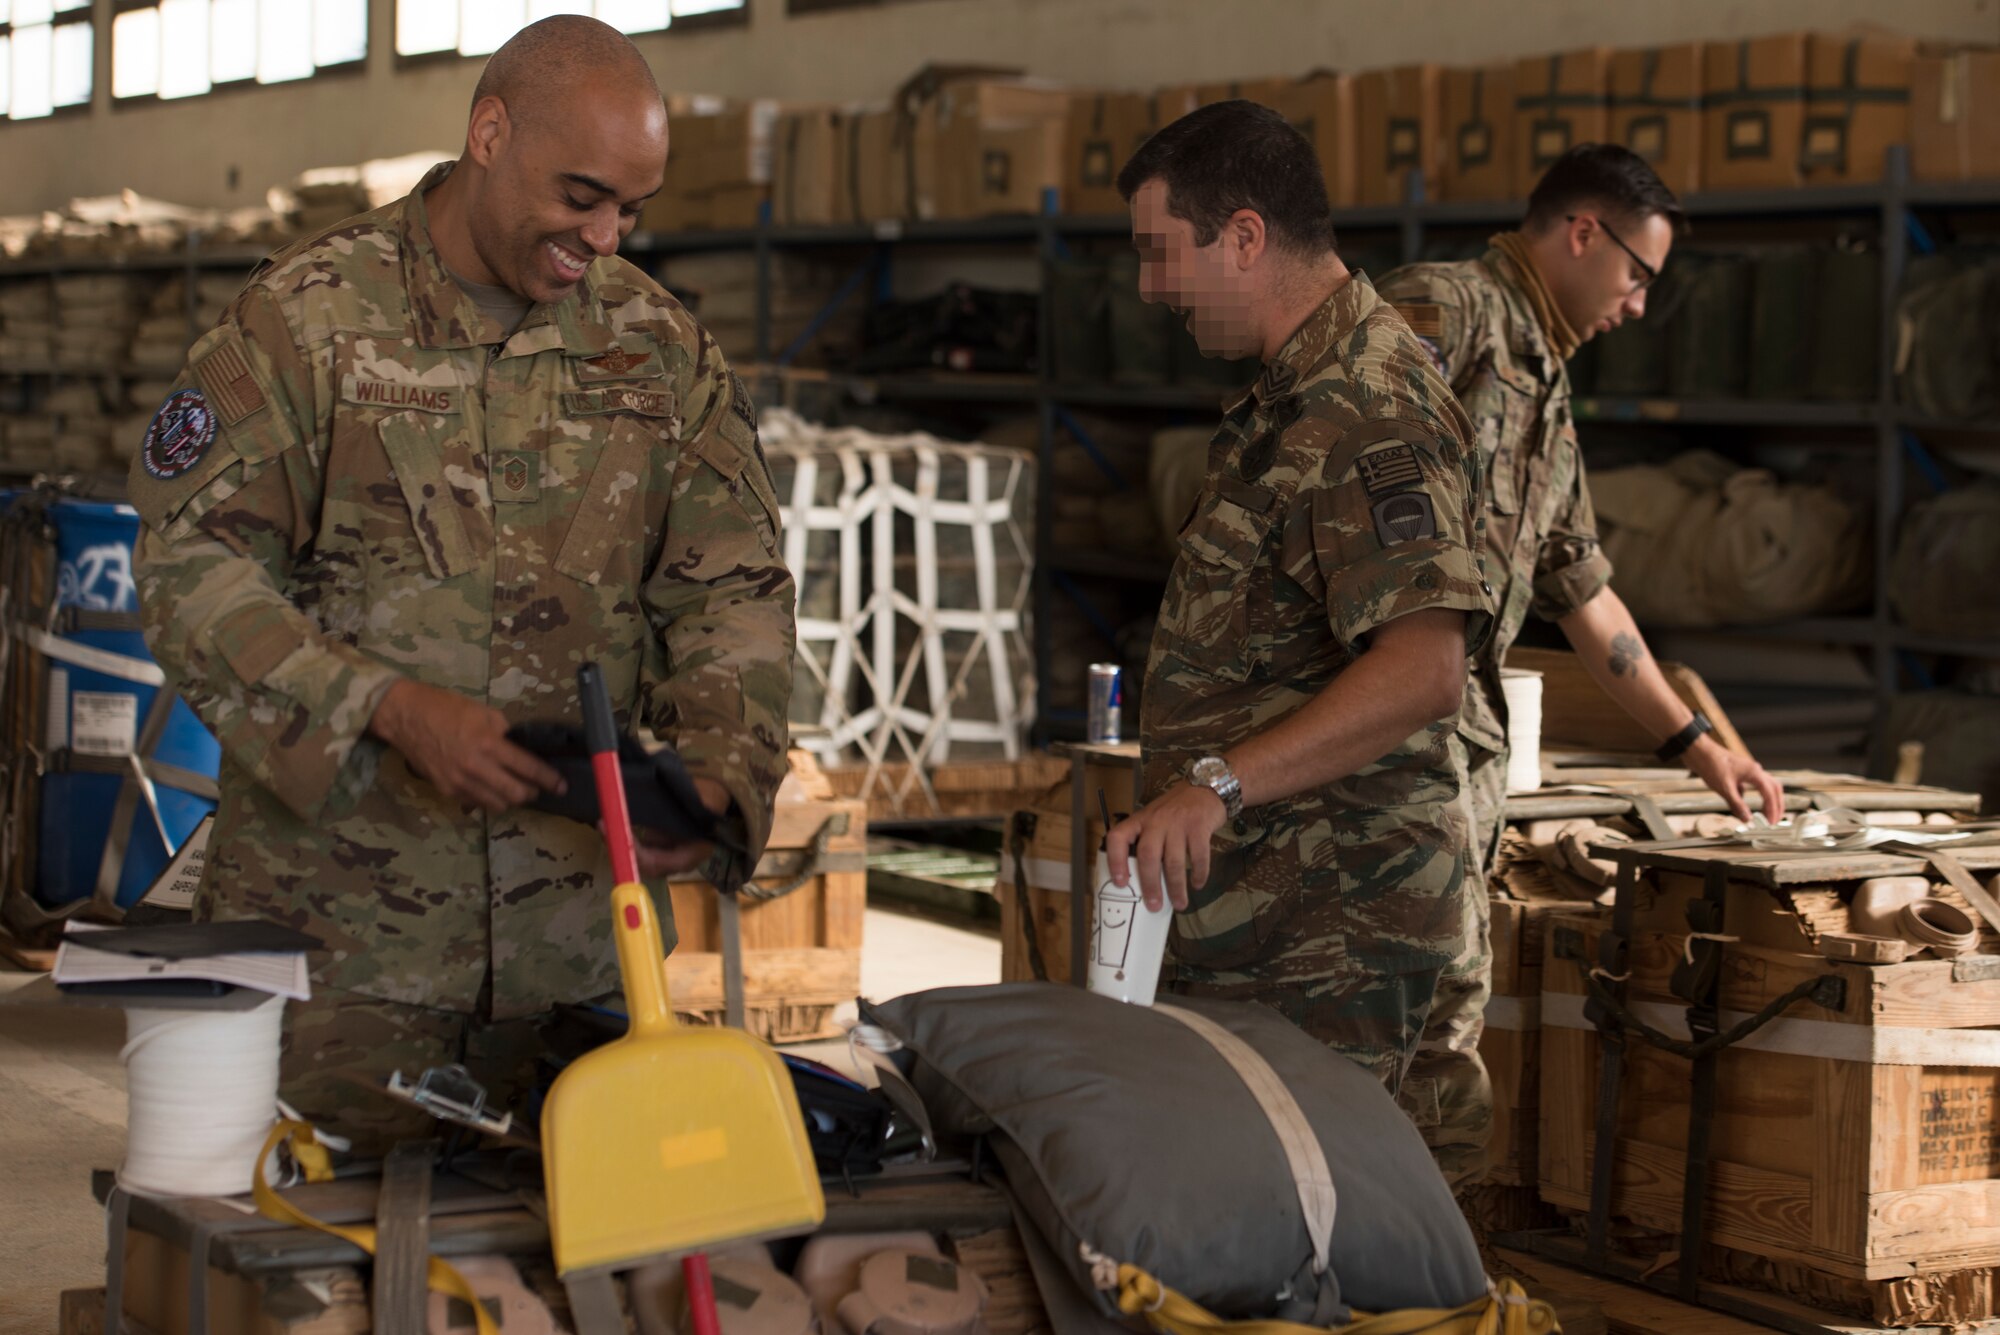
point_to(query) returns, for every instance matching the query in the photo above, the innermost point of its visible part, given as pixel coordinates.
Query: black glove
(661, 796)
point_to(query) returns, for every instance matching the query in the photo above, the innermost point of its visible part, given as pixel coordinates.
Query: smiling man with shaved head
(431, 461)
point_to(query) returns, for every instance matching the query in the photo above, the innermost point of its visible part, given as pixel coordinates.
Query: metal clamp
(450, 1094)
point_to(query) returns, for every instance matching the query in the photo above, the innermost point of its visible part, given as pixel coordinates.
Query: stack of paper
(257, 955)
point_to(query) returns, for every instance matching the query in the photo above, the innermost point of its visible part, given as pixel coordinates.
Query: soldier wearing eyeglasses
(1501, 328)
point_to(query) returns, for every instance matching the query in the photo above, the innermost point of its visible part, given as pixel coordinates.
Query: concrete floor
(62, 1104)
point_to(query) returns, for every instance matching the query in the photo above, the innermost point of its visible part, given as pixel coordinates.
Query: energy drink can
(1107, 704)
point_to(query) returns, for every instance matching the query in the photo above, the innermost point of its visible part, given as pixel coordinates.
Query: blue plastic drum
(98, 717)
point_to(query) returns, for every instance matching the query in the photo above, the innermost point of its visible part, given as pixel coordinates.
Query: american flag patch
(225, 376)
(1394, 468)
(1425, 318)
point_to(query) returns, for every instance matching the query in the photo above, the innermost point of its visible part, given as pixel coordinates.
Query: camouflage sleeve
(1385, 529)
(724, 602)
(1570, 566)
(1436, 308)
(227, 482)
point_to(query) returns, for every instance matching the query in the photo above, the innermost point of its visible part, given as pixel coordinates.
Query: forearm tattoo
(1626, 651)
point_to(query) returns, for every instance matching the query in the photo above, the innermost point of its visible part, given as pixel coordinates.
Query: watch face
(1208, 769)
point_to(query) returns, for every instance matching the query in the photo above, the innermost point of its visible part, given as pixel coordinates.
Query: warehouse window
(46, 56)
(478, 27)
(183, 48)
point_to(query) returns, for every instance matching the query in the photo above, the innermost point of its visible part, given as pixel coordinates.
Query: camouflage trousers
(1448, 1094)
(1368, 1000)
(339, 1050)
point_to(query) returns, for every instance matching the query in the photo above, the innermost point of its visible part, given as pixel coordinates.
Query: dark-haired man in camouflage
(1501, 328)
(431, 461)
(1304, 781)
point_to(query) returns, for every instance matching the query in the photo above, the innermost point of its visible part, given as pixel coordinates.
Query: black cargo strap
(1698, 981)
(1612, 966)
(1019, 831)
(1828, 990)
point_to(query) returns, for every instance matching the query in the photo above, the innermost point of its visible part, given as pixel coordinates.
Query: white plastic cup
(1522, 688)
(1127, 941)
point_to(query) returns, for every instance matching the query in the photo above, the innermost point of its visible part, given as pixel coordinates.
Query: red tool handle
(600, 733)
(700, 1288)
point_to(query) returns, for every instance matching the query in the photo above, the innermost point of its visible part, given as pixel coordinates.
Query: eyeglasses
(1652, 275)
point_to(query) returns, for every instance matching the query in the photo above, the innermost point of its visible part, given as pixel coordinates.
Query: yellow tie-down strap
(1505, 1310)
(444, 1277)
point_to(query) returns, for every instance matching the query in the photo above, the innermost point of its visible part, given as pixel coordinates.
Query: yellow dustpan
(669, 1139)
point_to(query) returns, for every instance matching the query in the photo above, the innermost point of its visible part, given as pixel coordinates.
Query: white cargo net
(914, 561)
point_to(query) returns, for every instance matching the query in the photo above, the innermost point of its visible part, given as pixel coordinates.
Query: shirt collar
(1313, 343)
(446, 316)
(1525, 335)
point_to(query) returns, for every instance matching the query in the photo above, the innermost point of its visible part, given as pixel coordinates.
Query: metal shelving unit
(1878, 421)
(189, 261)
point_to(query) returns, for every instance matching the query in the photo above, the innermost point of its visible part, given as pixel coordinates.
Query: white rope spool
(202, 1092)
(1523, 691)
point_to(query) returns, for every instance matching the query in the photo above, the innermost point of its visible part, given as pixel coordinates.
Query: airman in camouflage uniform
(1340, 905)
(1501, 329)
(363, 478)
(1303, 778)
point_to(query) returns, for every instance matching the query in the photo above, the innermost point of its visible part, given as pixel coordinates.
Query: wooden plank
(1844, 1148)
(696, 980)
(1626, 1308)
(1896, 1159)
(1794, 867)
(1949, 1226)
(80, 1312)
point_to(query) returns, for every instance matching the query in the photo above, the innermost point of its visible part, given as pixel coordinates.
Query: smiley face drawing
(1116, 906)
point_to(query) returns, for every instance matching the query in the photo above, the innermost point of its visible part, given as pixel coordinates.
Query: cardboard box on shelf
(1955, 115)
(731, 148)
(1753, 97)
(1478, 133)
(808, 168)
(1399, 114)
(737, 206)
(1857, 106)
(1321, 107)
(1656, 110)
(1013, 170)
(1560, 101)
(877, 185)
(1105, 129)
(994, 139)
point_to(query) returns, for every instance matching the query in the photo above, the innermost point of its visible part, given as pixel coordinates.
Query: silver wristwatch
(1212, 772)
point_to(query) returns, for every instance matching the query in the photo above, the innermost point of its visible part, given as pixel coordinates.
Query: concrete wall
(224, 149)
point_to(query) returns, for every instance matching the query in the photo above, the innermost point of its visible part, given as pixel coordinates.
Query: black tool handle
(600, 727)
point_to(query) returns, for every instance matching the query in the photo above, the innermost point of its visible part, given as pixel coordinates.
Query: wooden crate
(1034, 893)
(1511, 1042)
(802, 951)
(1046, 855)
(1855, 1159)
(975, 790)
(269, 1278)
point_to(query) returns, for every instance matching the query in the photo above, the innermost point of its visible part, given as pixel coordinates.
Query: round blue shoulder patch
(179, 435)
